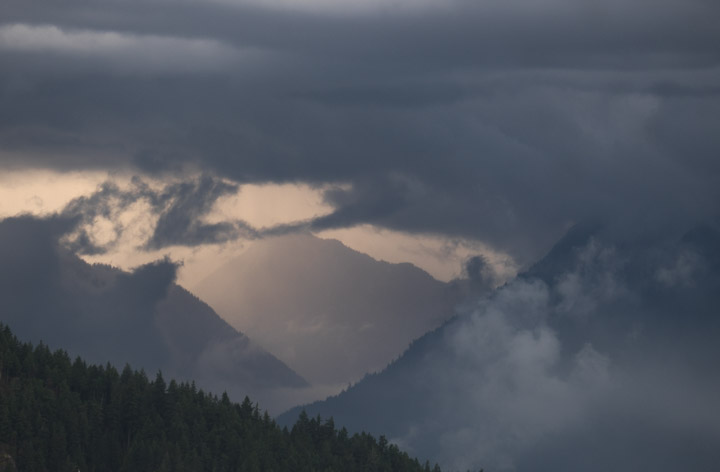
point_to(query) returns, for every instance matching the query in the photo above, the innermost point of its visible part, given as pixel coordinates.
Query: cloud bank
(499, 122)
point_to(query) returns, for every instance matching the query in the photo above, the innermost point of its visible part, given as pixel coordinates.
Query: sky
(500, 123)
(425, 131)
(42, 192)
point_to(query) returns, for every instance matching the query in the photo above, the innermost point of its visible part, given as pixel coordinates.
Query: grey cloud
(505, 123)
(478, 278)
(522, 29)
(480, 273)
(154, 278)
(478, 269)
(181, 208)
(177, 212)
(106, 202)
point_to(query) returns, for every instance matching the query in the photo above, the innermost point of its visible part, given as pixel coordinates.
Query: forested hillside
(60, 415)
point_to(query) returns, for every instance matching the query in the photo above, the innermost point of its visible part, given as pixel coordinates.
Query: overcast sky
(501, 123)
(427, 131)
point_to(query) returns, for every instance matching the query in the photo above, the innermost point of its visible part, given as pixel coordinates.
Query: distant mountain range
(602, 356)
(331, 313)
(140, 317)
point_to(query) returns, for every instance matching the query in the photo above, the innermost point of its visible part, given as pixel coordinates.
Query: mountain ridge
(340, 309)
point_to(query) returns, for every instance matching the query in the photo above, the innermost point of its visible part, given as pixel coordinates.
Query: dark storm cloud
(183, 206)
(480, 273)
(502, 122)
(478, 278)
(104, 203)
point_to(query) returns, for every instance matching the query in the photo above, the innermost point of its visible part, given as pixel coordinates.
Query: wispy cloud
(121, 51)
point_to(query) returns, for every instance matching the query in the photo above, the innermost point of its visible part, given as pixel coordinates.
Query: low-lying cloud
(576, 373)
(601, 357)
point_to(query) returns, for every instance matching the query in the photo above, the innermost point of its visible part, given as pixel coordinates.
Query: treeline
(60, 415)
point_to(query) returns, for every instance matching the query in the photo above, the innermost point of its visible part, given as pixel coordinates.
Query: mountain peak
(330, 312)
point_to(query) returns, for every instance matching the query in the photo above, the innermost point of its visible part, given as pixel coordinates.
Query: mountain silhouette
(141, 317)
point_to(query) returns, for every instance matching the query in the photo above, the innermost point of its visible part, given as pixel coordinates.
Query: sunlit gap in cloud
(260, 206)
(267, 205)
(43, 192)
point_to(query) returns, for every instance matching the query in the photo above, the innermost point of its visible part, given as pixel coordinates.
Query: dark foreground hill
(59, 415)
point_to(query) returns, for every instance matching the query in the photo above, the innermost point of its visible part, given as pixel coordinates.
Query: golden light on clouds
(443, 258)
(43, 192)
(271, 204)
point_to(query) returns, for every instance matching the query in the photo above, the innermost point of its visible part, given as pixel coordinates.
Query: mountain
(141, 317)
(331, 313)
(602, 356)
(60, 415)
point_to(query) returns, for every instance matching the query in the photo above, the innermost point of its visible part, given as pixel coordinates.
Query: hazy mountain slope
(601, 357)
(329, 312)
(142, 317)
(220, 357)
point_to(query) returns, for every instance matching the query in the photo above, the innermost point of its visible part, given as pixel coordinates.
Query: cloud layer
(503, 122)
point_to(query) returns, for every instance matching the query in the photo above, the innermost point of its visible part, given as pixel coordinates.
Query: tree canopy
(61, 415)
